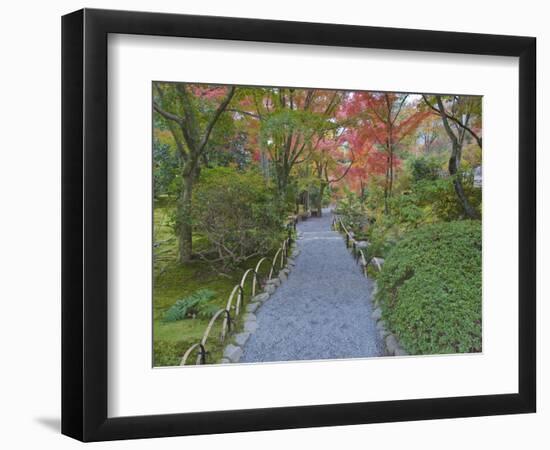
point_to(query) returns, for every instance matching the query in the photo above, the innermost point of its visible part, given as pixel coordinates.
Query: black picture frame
(84, 224)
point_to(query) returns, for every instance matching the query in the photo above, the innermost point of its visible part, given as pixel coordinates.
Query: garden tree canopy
(308, 141)
(464, 112)
(332, 160)
(460, 116)
(432, 136)
(190, 113)
(383, 120)
(292, 122)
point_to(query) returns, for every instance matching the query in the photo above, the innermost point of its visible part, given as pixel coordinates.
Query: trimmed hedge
(430, 289)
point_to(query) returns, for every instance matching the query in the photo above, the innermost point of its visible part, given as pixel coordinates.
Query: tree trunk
(389, 166)
(457, 182)
(386, 186)
(185, 237)
(454, 162)
(390, 189)
(320, 200)
(282, 180)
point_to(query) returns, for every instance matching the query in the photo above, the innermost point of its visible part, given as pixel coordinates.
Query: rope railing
(281, 256)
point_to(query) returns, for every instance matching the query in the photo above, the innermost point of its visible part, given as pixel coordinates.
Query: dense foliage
(165, 170)
(425, 168)
(430, 288)
(238, 213)
(424, 196)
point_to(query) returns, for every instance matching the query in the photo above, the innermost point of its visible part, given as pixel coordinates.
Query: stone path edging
(234, 351)
(393, 347)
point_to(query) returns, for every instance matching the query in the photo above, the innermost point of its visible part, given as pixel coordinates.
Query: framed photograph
(273, 224)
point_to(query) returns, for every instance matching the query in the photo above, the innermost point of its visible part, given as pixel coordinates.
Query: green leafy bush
(239, 215)
(441, 199)
(408, 211)
(353, 211)
(194, 304)
(425, 167)
(381, 235)
(165, 170)
(430, 288)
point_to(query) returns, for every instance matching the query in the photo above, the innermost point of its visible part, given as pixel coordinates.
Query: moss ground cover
(174, 281)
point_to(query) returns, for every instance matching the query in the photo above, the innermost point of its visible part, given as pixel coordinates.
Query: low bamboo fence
(351, 243)
(236, 300)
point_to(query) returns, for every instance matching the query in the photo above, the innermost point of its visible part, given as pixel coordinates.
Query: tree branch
(246, 113)
(477, 138)
(309, 99)
(171, 117)
(448, 129)
(335, 180)
(215, 118)
(166, 114)
(398, 110)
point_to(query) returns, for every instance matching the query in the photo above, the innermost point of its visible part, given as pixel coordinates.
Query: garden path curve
(323, 310)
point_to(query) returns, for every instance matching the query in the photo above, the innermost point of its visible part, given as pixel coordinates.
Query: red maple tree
(382, 121)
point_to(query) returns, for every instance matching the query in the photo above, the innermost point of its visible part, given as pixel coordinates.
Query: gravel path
(323, 310)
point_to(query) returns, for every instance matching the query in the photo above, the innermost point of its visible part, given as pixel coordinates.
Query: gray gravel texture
(323, 310)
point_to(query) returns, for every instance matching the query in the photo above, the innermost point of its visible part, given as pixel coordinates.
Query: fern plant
(194, 304)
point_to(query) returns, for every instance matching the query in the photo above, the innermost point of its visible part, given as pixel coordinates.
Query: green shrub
(430, 289)
(407, 211)
(425, 167)
(352, 211)
(382, 235)
(194, 304)
(165, 170)
(440, 197)
(239, 215)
